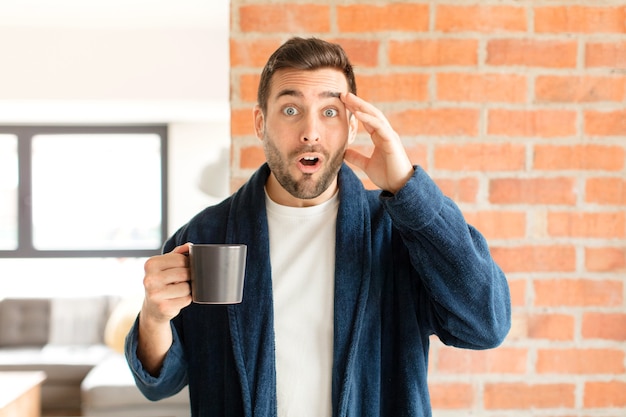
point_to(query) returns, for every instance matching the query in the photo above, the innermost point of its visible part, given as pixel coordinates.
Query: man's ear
(259, 122)
(353, 127)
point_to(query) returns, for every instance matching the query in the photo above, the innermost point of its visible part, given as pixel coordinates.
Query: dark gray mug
(217, 273)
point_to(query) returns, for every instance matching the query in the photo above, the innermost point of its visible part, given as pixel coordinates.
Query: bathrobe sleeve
(173, 375)
(466, 298)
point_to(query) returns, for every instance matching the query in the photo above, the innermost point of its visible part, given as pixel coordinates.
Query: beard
(306, 187)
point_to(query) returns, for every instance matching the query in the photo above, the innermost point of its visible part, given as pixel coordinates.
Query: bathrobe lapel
(252, 321)
(352, 282)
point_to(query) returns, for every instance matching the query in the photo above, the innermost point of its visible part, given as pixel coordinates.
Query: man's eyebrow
(289, 92)
(334, 94)
(296, 93)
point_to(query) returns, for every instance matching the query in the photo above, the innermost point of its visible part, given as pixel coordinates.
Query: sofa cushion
(24, 322)
(78, 321)
(109, 389)
(62, 337)
(120, 322)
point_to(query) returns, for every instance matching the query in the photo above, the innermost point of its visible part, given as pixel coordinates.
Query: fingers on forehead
(358, 104)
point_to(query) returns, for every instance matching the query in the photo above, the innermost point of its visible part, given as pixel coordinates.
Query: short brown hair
(304, 54)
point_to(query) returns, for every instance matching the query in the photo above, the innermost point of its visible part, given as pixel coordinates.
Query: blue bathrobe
(407, 266)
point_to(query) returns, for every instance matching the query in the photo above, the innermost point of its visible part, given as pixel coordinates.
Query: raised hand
(388, 167)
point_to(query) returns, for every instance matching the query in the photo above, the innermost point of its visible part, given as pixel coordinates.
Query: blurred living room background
(109, 63)
(114, 131)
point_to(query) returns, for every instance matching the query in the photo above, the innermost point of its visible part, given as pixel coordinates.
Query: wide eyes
(292, 111)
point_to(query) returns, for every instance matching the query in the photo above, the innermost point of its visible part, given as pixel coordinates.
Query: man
(343, 286)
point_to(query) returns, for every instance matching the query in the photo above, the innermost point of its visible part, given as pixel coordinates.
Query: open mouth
(309, 161)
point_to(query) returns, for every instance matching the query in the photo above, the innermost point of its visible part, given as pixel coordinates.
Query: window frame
(25, 134)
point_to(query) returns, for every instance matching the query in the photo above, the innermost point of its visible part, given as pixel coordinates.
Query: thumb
(356, 158)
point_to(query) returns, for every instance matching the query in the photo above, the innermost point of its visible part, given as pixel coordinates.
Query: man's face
(305, 132)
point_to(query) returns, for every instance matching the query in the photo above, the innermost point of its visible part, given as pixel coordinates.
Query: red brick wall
(518, 110)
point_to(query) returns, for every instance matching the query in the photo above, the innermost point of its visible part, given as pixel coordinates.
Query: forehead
(307, 82)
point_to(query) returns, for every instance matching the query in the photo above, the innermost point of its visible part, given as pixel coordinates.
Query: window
(8, 192)
(82, 191)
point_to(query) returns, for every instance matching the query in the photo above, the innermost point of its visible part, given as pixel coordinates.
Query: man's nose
(310, 131)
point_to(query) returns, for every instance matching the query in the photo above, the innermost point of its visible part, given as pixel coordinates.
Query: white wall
(113, 64)
(199, 168)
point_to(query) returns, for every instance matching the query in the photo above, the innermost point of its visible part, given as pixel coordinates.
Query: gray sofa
(77, 343)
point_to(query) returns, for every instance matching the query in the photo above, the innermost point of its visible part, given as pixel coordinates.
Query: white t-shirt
(302, 255)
